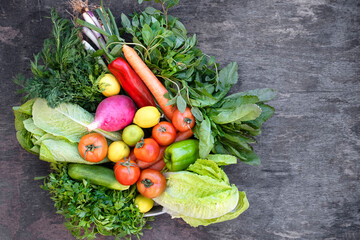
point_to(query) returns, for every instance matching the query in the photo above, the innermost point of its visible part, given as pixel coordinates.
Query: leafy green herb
(68, 73)
(91, 210)
(225, 124)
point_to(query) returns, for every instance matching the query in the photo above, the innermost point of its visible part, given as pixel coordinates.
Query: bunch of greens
(68, 74)
(90, 209)
(54, 133)
(225, 124)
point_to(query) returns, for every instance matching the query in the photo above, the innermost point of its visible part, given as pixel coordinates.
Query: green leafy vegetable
(90, 210)
(63, 72)
(242, 205)
(222, 159)
(202, 195)
(54, 133)
(66, 120)
(225, 124)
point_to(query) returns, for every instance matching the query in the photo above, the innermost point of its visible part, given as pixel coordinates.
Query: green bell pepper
(178, 156)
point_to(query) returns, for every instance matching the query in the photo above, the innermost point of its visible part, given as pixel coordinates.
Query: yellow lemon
(144, 204)
(118, 150)
(109, 85)
(147, 117)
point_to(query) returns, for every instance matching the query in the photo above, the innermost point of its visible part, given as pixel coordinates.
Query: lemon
(118, 150)
(109, 85)
(144, 204)
(147, 117)
(132, 134)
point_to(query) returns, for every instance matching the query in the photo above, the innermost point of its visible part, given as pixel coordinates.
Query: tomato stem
(147, 182)
(128, 164)
(90, 148)
(187, 121)
(161, 128)
(140, 144)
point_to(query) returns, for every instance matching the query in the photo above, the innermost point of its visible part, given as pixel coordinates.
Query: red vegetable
(158, 165)
(113, 113)
(164, 133)
(126, 171)
(183, 121)
(147, 150)
(159, 158)
(151, 183)
(131, 82)
(93, 147)
(180, 136)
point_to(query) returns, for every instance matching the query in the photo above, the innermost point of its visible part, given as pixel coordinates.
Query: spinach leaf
(266, 112)
(244, 112)
(228, 76)
(206, 140)
(264, 94)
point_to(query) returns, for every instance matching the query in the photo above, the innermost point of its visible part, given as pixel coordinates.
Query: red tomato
(126, 172)
(164, 133)
(93, 147)
(147, 150)
(143, 165)
(158, 165)
(183, 121)
(151, 183)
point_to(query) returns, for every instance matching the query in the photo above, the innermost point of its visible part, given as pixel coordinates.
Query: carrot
(153, 84)
(183, 135)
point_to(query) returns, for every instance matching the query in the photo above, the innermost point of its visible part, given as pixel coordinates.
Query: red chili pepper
(131, 83)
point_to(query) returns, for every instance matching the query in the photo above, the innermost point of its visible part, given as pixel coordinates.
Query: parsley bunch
(91, 209)
(63, 71)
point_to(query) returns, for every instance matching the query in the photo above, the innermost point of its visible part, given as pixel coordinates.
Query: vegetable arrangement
(136, 116)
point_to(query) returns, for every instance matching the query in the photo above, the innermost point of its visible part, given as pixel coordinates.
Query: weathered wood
(307, 186)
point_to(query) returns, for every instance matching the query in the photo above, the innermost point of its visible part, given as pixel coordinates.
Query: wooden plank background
(307, 186)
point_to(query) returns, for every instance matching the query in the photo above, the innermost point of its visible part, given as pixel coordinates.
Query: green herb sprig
(91, 210)
(63, 71)
(225, 124)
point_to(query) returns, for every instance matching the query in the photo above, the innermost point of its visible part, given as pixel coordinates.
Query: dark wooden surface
(307, 186)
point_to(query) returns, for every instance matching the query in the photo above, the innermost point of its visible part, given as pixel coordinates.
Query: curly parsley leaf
(91, 210)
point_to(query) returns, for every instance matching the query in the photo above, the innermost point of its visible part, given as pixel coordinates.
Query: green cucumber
(96, 174)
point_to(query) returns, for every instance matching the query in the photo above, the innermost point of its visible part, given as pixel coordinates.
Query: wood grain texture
(307, 186)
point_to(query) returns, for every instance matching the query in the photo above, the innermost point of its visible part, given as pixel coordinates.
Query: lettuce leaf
(242, 205)
(67, 120)
(55, 150)
(208, 168)
(222, 159)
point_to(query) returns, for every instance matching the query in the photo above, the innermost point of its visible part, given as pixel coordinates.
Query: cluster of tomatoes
(143, 163)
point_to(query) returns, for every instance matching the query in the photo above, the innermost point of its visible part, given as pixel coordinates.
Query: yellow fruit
(147, 117)
(118, 150)
(143, 203)
(109, 85)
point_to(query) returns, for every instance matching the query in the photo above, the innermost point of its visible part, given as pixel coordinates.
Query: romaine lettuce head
(202, 195)
(192, 195)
